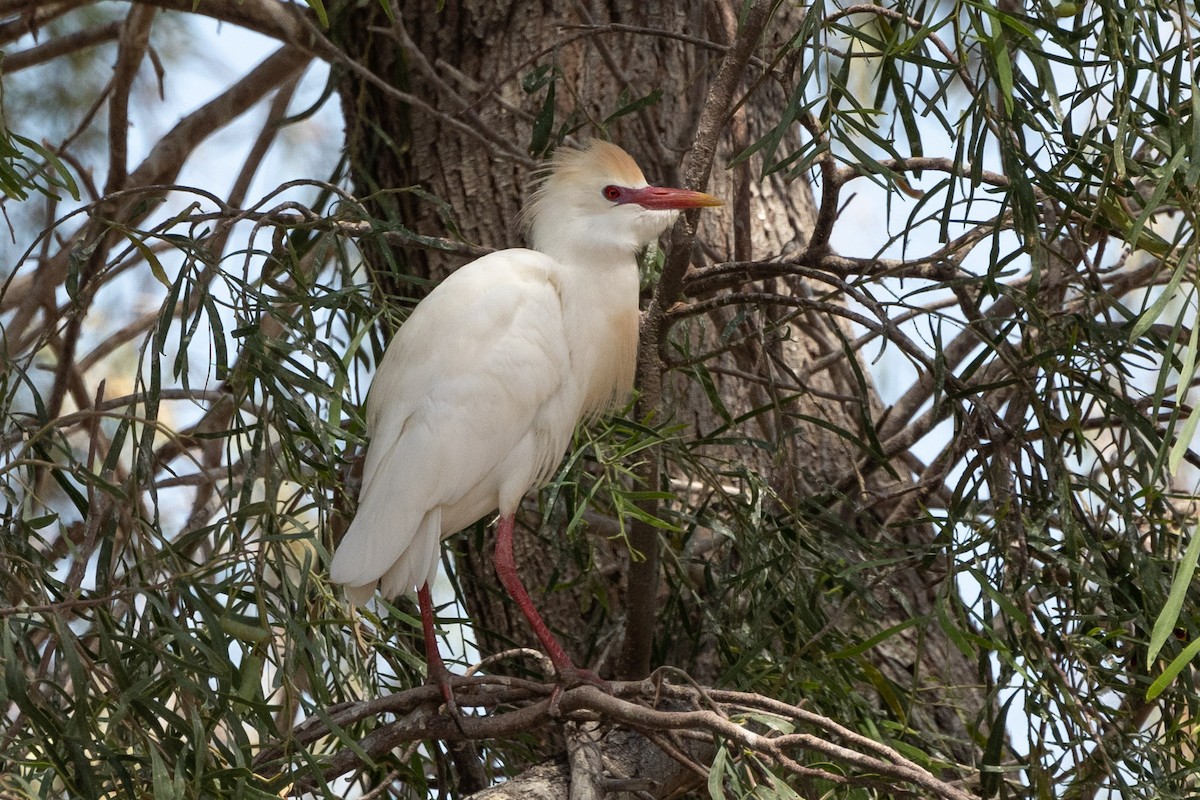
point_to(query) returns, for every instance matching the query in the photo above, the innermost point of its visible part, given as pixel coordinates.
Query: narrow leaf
(1165, 624)
(1151, 314)
(322, 15)
(716, 775)
(543, 124)
(1185, 435)
(1173, 669)
(989, 781)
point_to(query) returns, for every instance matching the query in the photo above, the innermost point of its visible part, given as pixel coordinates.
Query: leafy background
(1005, 217)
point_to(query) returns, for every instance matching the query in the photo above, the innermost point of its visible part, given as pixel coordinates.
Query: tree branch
(61, 46)
(134, 40)
(36, 13)
(694, 710)
(286, 22)
(642, 577)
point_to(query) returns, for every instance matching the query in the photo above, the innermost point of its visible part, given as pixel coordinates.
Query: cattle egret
(476, 398)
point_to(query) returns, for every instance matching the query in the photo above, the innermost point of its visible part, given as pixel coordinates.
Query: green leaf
(1151, 314)
(250, 673)
(716, 775)
(1193, 173)
(1165, 624)
(858, 649)
(247, 629)
(772, 721)
(37, 523)
(1185, 435)
(543, 124)
(537, 78)
(156, 267)
(1173, 669)
(885, 689)
(774, 789)
(636, 105)
(989, 780)
(1004, 72)
(391, 15)
(322, 15)
(1163, 183)
(164, 785)
(57, 174)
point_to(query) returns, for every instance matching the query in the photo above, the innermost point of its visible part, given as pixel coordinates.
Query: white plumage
(474, 402)
(477, 396)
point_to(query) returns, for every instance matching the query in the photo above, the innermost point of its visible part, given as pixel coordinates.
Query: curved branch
(31, 16)
(165, 160)
(882, 326)
(932, 164)
(704, 150)
(286, 22)
(134, 41)
(696, 710)
(61, 46)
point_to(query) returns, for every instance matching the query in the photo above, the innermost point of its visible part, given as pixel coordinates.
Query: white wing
(473, 403)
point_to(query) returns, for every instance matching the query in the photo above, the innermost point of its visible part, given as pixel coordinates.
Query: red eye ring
(612, 193)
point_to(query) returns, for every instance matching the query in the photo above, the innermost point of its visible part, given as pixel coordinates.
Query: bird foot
(441, 677)
(438, 674)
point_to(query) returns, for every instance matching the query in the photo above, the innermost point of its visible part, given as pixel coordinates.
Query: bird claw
(441, 679)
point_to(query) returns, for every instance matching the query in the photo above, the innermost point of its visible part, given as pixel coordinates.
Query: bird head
(595, 200)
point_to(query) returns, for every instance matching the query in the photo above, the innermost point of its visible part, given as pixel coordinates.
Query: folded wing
(473, 403)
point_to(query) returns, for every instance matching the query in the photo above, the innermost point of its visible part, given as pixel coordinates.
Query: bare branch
(61, 46)
(134, 40)
(286, 22)
(642, 577)
(166, 158)
(32, 15)
(707, 712)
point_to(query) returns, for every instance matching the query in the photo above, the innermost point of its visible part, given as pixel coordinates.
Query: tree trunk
(469, 146)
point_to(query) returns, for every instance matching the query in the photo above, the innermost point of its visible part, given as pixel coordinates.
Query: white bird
(476, 398)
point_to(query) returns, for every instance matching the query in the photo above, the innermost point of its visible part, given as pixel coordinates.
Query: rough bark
(466, 62)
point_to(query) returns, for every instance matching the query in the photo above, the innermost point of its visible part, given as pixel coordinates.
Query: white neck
(600, 296)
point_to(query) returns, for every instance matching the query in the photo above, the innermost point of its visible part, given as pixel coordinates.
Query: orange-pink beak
(658, 198)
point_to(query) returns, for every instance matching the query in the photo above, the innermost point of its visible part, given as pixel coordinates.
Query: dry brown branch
(31, 16)
(61, 46)
(166, 158)
(161, 166)
(712, 714)
(131, 49)
(643, 575)
(284, 22)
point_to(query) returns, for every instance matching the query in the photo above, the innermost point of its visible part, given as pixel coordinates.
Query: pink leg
(433, 657)
(506, 568)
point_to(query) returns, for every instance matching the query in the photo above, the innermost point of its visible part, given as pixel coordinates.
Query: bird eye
(612, 193)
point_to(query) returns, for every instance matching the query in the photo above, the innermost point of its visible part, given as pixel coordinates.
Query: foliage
(184, 368)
